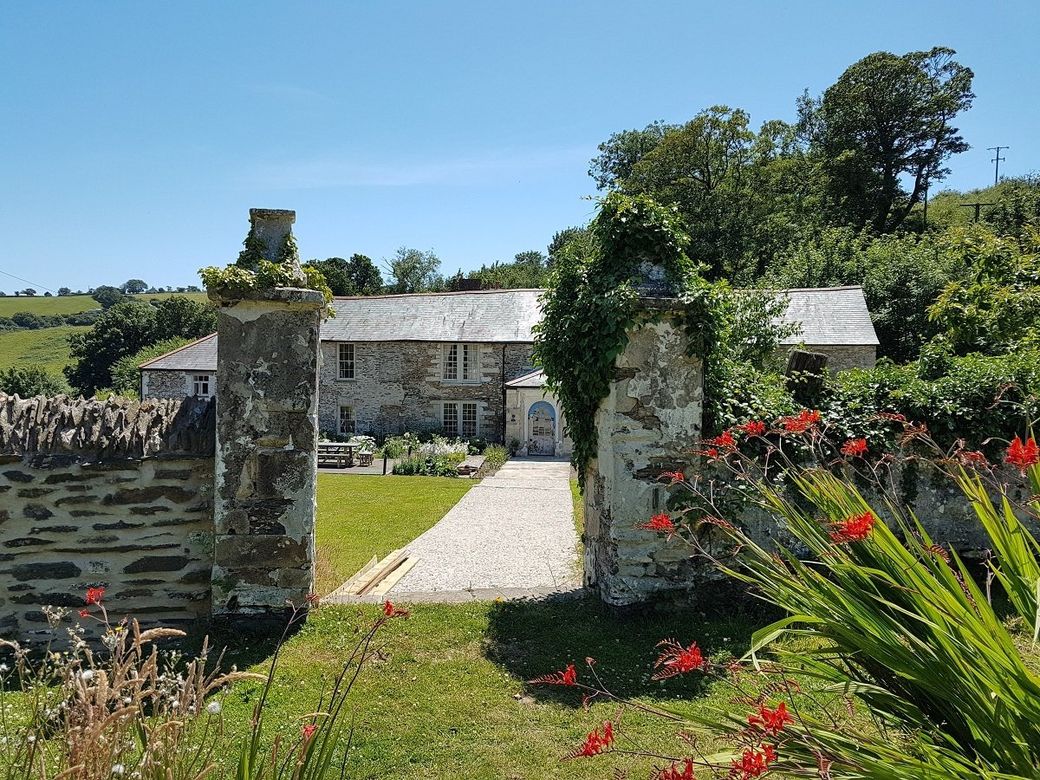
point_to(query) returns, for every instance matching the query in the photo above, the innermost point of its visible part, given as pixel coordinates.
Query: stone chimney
(266, 440)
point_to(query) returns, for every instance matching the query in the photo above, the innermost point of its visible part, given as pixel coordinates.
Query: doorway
(541, 429)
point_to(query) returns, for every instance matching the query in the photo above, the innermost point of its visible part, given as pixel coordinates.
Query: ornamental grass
(124, 707)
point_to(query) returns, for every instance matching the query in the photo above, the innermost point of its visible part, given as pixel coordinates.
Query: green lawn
(362, 516)
(47, 348)
(447, 698)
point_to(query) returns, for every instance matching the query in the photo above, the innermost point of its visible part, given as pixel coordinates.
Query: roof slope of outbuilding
(835, 316)
(829, 316)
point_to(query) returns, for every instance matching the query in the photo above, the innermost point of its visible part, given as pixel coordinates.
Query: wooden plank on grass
(359, 576)
(394, 577)
(387, 565)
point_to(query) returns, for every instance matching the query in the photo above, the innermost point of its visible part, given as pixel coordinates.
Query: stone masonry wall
(398, 386)
(116, 494)
(841, 358)
(646, 424)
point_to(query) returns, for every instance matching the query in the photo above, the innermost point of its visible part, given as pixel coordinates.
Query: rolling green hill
(68, 304)
(49, 347)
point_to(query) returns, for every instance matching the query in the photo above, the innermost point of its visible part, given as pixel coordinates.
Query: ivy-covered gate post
(647, 423)
(267, 432)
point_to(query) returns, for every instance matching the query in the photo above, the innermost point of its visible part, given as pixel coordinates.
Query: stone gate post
(266, 440)
(647, 424)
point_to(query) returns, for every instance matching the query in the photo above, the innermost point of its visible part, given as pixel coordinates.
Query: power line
(998, 159)
(27, 281)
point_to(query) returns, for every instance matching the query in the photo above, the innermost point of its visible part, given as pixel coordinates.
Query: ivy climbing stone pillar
(648, 423)
(266, 438)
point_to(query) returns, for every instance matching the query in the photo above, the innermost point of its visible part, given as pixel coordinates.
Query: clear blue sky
(136, 135)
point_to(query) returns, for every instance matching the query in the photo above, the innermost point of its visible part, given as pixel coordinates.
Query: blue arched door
(541, 429)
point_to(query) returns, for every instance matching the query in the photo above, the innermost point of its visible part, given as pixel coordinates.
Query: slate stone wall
(114, 494)
(398, 386)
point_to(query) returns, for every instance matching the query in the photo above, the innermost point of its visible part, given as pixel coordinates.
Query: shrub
(126, 374)
(31, 380)
(881, 619)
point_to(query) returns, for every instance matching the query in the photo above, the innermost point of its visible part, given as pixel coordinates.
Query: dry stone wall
(115, 494)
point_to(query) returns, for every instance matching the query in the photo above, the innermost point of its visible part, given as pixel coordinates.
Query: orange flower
(661, 522)
(854, 448)
(94, 595)
(675, 773)
(1022, 455)
(854, 529)
(568, 676)
(724, 440)
(771, 721)
(594, 743)
(390, 611)
(753, 428)
(676, 659)
(753, 763)
(805, 420)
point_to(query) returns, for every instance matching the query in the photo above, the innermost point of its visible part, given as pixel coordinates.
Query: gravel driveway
(513, 532)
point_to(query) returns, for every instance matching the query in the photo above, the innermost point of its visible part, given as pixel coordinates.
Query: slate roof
(835, 316)
(830, 316)
(495, 316)
(533, 379)
(199, 355)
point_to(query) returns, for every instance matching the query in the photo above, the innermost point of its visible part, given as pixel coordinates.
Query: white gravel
(514, 530)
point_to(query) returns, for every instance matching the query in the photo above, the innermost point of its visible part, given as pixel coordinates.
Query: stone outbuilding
(462, 363)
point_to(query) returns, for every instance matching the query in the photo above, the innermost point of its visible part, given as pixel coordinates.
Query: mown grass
(47, 348)
(447, 698)
(362, 516)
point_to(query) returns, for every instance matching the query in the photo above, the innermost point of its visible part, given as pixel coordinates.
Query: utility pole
(998, 159)
(977, 207)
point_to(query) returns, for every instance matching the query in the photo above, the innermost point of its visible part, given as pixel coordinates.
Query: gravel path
(514, 530)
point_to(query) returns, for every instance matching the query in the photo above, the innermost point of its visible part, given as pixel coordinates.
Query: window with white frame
(200, 385)
(346, 361)
(460, 363)
(347, 423)
(460, 419)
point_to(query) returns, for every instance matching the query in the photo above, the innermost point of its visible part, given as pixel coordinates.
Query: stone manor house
(461, 363)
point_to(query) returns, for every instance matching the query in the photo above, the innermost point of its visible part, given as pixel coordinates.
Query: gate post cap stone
(287, 297)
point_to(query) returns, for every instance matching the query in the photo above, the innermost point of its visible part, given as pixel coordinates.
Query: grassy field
(69, 304)
(362, 516)
(48, 347)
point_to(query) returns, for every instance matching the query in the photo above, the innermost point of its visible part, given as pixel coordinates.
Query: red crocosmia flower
(854, 529)
(94, 595)
(676, 659)
(595, 743)
(753, 428)
(84, 613)
(390, 611)
(854, 448)
(672, 476)
(712, 452)
(1022, 455)
(674, 772)
(771, 721)
(724, 440)
(568, 676)
(753, 763)
(308, 731)
(803, 422)
(661, 522)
